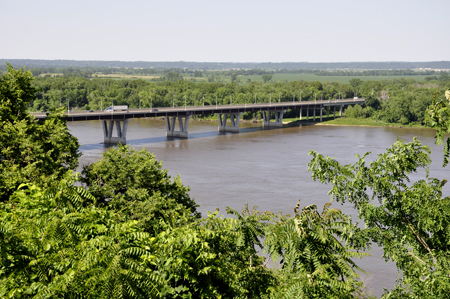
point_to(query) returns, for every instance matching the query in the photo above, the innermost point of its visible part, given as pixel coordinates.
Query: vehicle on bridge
(117, 108)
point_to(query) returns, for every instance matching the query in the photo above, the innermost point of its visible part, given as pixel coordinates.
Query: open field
(143, 77)
(50, 74)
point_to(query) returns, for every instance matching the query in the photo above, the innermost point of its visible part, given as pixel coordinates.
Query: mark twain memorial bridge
(181, 115)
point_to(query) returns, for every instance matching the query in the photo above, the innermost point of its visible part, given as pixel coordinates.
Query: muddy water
(265, 168)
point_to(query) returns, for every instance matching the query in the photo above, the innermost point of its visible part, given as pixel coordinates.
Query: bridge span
(181, 115)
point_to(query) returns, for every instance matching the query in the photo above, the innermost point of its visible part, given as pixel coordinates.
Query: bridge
(181, 115)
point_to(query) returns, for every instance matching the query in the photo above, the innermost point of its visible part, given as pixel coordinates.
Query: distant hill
(389, 65)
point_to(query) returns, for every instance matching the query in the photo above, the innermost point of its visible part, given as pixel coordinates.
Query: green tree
(206, 259)
(198, 74)
(355, 112)
(438, 117)
(316, 251)
(373, 102)
(174, 76)
(30, 151)
(266, 77)
(52, 246)
(249, 228)
(410, 220)
(356, 82)
(135, 183)
(444, 77)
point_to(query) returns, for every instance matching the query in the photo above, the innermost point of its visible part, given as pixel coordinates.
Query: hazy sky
(228, 31)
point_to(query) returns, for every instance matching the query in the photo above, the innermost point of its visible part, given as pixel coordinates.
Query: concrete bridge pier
(340, 110)
(278, 118)
(234, 118)
(121, 128)
(183, 123)
(301, 110)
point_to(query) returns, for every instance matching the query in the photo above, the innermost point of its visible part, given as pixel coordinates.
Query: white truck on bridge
(117, 108)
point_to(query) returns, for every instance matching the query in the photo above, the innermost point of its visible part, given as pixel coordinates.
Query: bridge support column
(334, 111)
(234, 118)
(314, 119)
(278, 118)
(121, 128)
(183, 123)
(321, 114)
(329, 108)
(301, 110)
(307, 113)
(340, 110)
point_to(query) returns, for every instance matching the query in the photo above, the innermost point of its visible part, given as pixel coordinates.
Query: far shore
(340, 121)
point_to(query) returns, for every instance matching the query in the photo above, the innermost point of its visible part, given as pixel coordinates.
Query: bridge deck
(192, 110)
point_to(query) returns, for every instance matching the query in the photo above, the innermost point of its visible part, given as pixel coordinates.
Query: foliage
(30, 151)
(173, 76)
(317, 251)
(54, 247)
(410, 220)
(134, 182)
(266, 78)
(355, 112)
(438, 117)
(55, 244)
(373, 102)
(206, 260)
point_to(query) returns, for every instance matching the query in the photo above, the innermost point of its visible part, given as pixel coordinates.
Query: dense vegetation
(131, 231)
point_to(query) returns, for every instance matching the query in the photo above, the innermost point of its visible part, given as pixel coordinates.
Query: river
(263, 167)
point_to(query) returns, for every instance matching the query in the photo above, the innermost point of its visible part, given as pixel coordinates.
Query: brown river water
(262, 167)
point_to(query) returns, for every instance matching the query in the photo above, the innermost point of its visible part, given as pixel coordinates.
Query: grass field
(143, 77)
(50, 74)
(124, 76)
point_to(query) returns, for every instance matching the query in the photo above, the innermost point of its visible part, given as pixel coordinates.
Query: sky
(226, 31)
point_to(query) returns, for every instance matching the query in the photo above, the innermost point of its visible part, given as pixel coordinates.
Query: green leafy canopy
(410, 220)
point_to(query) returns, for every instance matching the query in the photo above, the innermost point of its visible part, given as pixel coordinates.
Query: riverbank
(331, 121)
(366, 122)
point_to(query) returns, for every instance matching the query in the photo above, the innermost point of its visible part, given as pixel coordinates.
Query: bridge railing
(250, 104)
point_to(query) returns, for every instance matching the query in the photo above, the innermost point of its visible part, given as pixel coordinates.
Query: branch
(411, 254)
(420, 239)
(267, 260)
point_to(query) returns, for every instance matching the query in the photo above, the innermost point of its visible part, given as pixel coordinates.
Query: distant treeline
(364, 73)
(335, 72)
(392, 65)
